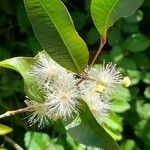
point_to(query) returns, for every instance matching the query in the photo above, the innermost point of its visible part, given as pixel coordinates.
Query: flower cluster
(62, 91)
(98, 87)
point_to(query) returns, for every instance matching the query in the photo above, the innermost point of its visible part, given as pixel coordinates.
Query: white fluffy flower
(37, 113)
(98, 104)
(62, 96)
(44, 68)
(61, 92)
(106, 77)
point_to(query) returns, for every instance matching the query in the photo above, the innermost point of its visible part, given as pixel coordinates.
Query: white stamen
(37, 113)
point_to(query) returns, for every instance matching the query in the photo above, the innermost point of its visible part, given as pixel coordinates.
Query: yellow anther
(100, 88)
(55, 116)
(93, 110)
(126, 81)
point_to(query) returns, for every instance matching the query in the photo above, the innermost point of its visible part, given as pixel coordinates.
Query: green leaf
(120, 100)
(113, 125)
(114, 122)
(114, 37)
(146, 78)
(3, 148)
(135, 76)
(121, 93)
(55, 31)
(5, 129)
(135, 18)
(143, 109)
(106, 12)
(128, 145)
(90, 133)
(147, 92)
(130, 27)
(40, 141)
(136, 43)
(115, 134)
(23, 66)
(142, 60)
(116, 53)
(119, 106)
(142, 130)
(128, 63)
(92, 36)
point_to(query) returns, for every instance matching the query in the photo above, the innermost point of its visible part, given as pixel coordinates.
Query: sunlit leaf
(106, 12)
(55, 31)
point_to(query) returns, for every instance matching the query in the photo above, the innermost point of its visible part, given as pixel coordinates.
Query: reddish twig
(84, 75)
(102, 43)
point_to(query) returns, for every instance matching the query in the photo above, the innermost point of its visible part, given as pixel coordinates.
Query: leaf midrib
(75, 64)
(107, 18)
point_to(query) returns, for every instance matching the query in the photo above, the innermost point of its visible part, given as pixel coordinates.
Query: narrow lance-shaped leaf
(90, 133)
(106, 12)
(55, 31)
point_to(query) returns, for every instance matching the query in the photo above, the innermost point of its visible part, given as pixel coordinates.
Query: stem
(13, 143)
(84, 75)
(14, 112)
(102, 43)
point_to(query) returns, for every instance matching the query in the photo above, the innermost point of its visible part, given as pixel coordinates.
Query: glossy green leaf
(55, 31)
(106, 12)
(90, 133)
(5, 129)
(23, 66)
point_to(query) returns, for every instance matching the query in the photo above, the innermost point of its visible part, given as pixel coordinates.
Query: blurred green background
(128, 45)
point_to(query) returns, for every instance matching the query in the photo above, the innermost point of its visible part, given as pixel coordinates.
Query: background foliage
(128, 45)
